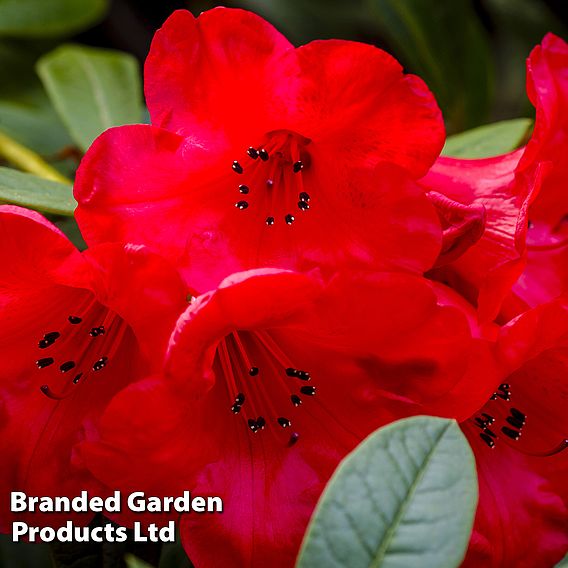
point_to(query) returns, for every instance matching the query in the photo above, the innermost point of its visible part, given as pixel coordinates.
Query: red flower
(518, 439)
(518, 190)
(265, 155)
(483, 204)
(546, 273)
(270, 381)
(76, 329)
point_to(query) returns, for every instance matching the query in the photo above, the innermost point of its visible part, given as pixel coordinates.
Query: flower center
(271, 177)
(498, 420)
(82, 345)
(266, 392)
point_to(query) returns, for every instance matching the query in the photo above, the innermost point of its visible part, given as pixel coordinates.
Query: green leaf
(405, 497)
(26, 113)
(92, 89)
(69, 226)
(445, 44)
(135, 562)
(490, 140)
(48, 18)
(35, 192)
(563, 563)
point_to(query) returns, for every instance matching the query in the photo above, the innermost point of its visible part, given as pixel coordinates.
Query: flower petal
(21, 232)
(518, 496)
(143, 288)
(332, 360)
(487, 270)
(219, 77)
(135, 178)
(67, 345)
(361, 109)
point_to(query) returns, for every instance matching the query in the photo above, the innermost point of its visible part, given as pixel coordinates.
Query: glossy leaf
(48, 18)
(457, 66)
(405, 497)
(489, 140)
(35, 192)
(92, 89)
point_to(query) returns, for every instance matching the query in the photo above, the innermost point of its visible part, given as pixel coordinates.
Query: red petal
(463, 226)
(546, 273)
(38, 434)
(134, 178)
(487, 270)
(522, 481)
(143, 289)
(27, 266)
(225, 76)
(369, 342)
(361, 109)
(44, 281)
(522, 511)
(547, 85)
(535, 348)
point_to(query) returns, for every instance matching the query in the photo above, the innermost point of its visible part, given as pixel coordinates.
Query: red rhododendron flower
(484, 246)
(76, 328)
(260, 154)
(520, 190)
(518, 439)
(270, 380)
(546, 273)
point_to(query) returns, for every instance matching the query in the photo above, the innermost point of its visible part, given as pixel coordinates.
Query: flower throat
(272, 181)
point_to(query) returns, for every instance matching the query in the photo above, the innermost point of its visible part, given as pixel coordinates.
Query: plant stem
(28, 161)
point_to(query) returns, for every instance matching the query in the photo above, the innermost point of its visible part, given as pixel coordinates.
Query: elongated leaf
(490, 140)
(34, 192)
(92, 89)
(26, 114)
(563, 563)
(135, 562)
(48, 18)
(445, 44)
(405, 497)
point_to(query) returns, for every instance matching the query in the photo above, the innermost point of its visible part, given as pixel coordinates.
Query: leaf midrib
(98, 92)
(390, 532)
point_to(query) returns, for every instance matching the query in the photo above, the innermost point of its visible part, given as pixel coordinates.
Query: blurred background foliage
(470, 52)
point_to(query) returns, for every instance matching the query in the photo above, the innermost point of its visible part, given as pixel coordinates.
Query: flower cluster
(278, 265)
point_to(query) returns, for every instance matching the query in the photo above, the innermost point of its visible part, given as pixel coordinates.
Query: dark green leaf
(69, 226)
(445, 44)
(92, 89)
(48, 18)
(490, 140)
(26, 114)
(405, 497)
(35, 192)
